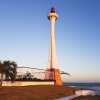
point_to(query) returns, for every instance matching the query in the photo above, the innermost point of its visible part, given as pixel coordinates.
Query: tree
(8, 68)
(1, 72)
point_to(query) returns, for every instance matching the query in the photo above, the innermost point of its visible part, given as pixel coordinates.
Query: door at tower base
(54, 74)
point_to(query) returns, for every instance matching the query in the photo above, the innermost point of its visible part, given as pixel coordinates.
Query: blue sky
(25, 35)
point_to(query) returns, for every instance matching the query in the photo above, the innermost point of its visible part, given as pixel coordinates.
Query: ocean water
(88, 86)
(82, 84)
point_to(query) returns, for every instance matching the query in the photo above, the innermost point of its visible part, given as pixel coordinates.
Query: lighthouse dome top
(52, 14)
(52, 10)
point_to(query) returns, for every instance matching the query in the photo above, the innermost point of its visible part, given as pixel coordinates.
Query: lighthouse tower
(52, 71)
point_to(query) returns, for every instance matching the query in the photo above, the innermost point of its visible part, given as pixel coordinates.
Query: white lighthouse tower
(52, 71)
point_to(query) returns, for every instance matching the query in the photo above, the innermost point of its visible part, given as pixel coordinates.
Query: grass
(36, 92)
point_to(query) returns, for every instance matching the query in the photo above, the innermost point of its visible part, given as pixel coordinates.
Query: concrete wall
(23, 83)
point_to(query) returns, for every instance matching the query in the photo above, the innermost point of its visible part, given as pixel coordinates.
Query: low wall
(27, 83)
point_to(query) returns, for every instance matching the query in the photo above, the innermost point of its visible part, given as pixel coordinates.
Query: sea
(84, 86)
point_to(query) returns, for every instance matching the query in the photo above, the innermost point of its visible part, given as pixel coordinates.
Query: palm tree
(8, 68)
(1, 72)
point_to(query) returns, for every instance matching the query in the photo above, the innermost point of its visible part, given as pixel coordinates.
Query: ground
(35, 92)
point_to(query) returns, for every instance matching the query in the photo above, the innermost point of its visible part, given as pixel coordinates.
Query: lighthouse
(52, 71)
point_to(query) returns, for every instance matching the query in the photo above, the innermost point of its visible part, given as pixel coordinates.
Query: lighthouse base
(53, 74)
